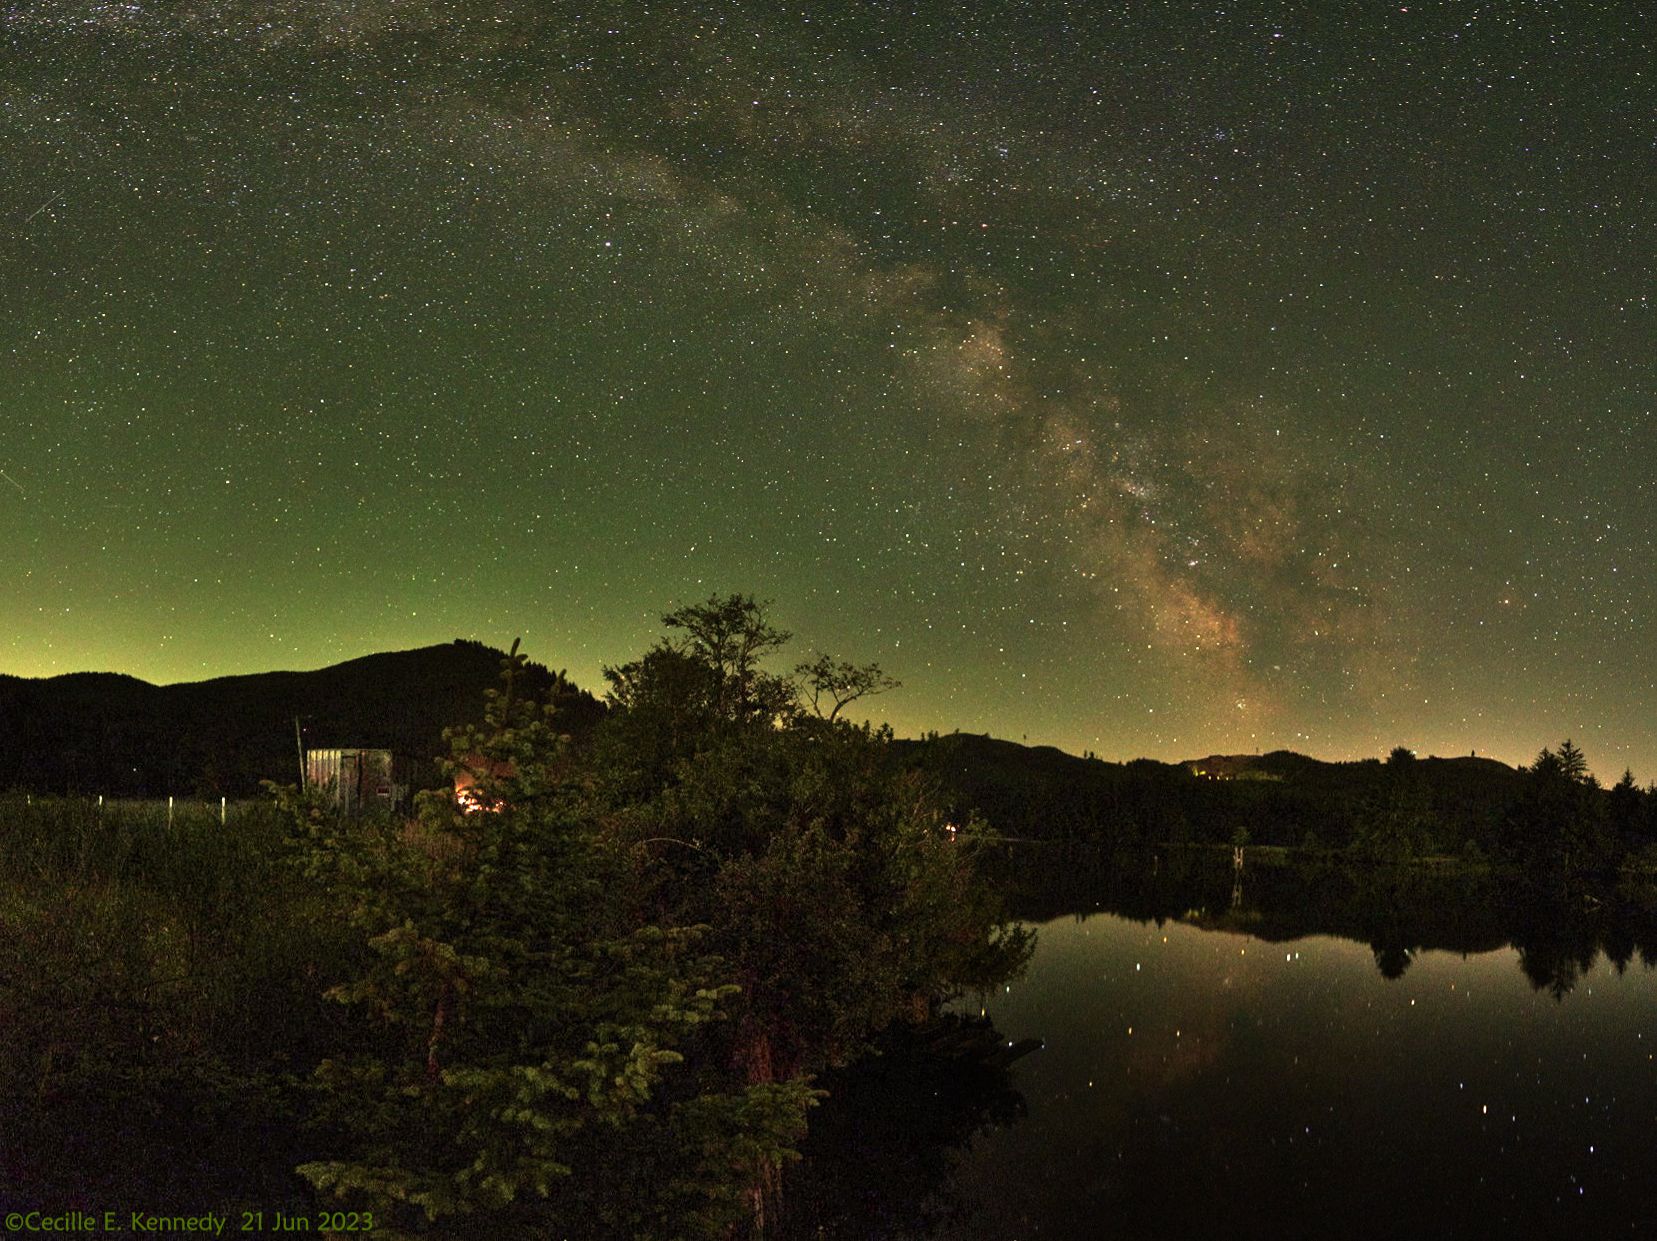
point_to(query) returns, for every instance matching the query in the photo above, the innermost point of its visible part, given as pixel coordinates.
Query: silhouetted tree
(1556, 830)
(831, 685)
(829, 874)
(1572, 764)
(1623, 807)
(730, 636)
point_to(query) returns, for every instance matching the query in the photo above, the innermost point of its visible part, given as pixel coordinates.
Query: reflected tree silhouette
(1392, 959)
(1397, 910)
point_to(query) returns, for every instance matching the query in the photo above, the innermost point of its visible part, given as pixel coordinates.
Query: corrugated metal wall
(360, 779)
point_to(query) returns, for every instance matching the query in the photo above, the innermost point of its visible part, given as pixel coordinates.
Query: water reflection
(884, 1145)
(1399, 911)
(1284, 1051)
(1342, 1051)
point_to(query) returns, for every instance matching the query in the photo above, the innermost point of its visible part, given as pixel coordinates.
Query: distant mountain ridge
(109, 733)
(1281, 797)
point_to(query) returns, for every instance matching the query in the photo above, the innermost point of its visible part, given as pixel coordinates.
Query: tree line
(1549, 817)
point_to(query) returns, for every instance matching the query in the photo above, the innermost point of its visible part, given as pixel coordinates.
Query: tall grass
(62, 839)
(160, 994)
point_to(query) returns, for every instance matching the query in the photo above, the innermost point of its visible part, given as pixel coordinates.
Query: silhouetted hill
(114, 734)
(95, 732)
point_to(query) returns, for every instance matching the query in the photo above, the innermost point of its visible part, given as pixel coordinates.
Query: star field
(1160, 381)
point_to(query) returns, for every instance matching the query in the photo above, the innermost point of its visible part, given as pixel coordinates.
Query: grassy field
(160, 993)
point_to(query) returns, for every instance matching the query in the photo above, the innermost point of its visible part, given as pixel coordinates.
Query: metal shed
(362, 779)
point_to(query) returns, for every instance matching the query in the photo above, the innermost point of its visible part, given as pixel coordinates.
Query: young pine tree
(527, 1053)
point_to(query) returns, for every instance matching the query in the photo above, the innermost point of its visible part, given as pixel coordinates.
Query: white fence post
(221, 811)
(169, 810)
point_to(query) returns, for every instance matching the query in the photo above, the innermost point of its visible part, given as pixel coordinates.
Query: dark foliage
(1406, 807)
(586, 998)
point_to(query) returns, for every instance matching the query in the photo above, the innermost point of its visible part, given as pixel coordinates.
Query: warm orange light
(467, 794)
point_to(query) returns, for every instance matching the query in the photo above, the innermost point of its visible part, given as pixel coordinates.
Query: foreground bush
(598, 985)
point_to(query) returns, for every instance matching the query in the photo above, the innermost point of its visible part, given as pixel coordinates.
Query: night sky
(1151, 380)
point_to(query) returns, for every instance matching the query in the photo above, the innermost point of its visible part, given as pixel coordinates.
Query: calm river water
(1219, 1069)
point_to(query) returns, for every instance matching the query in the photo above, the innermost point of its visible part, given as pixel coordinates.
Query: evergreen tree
(1624, 806)
(1556, 831)
(596, 989)
(520, 1057)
